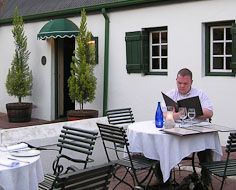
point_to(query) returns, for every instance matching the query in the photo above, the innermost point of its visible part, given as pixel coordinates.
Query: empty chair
(111, 136)
(93, 178)
(225, 167)
(72, 141)
(122, 116)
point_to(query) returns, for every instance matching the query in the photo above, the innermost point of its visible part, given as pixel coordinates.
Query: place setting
(16, 155)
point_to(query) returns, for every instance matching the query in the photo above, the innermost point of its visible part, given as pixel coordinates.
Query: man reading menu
(184, 90)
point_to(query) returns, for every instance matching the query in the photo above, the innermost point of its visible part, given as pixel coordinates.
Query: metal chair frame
(75, 140)
(225, 167)
(93, 178)
(111, 136)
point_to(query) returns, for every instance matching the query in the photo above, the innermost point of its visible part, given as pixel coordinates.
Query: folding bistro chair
(111, 136)
(93, 178)
(72, 140)
(120, 117)
(226, 167)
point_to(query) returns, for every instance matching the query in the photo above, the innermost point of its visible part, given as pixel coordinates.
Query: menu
(193, 102)
(182, 131)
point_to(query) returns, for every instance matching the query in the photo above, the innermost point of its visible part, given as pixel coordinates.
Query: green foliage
(19, 79)
(82, 82)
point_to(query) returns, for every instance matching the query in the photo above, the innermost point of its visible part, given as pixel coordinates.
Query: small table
(169, 149)
(24, 176)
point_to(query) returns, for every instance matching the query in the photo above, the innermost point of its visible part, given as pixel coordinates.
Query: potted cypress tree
(82, 82)
(19, 79)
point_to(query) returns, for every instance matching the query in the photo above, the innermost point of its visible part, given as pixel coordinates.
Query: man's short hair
(185, 72)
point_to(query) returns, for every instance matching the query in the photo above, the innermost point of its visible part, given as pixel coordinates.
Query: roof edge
(76, 11)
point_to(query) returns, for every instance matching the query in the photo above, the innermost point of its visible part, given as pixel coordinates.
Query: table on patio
(169, 149)
(25, 174)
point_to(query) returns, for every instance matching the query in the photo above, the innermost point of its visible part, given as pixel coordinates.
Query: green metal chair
(74, 140)
(111, 136)
(93, 178)
(226, 167)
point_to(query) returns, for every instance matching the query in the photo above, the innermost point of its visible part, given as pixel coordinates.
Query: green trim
(207, 48)
(233, 59)
(95, 8)
(106, 61)
(156, 73)
(96, 48)
(220, 74)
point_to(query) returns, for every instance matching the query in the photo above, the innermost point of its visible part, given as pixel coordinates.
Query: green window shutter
(233, 59)
(133, 52)
(137, 51)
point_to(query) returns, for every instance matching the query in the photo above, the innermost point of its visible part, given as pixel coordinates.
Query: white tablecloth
(145, 138)
(25, 176)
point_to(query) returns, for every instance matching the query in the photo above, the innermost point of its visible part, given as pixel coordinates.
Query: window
(147, 51)
(158, 53)
(219, 48)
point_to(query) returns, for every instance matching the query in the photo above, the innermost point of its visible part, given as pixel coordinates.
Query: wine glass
(191, 114)
(182, 114)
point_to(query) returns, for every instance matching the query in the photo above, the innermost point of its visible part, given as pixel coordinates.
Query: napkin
(17, 147)
(8, 163)
(14, 147)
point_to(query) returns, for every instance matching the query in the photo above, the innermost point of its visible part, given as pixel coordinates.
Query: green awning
(58, 28)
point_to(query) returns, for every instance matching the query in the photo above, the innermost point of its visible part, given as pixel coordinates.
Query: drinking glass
(182, 114)
(191, 114)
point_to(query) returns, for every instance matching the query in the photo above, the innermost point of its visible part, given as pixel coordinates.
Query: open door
(64, 52)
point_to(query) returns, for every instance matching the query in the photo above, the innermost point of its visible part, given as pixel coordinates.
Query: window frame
(208, 48)
(151, 30)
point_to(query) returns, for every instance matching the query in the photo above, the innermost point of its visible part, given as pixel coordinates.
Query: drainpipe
(106, 59)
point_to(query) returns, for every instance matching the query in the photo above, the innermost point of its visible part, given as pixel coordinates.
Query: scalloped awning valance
(58, 28)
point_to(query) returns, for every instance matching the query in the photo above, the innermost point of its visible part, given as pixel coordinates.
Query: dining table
(170, 149)
(20, 171)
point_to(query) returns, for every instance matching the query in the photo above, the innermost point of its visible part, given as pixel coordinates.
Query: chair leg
(121, 180)
(222, 183)
(193, 163)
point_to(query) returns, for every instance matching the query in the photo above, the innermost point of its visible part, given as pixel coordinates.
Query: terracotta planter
(19, 112)
(81, 114)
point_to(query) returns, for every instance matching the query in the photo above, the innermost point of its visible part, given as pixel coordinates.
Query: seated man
(184, 90)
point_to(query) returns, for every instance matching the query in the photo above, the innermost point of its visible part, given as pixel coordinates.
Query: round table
(169, 149)
(24, 176)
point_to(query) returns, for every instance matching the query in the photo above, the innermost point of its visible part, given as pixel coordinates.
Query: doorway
(64, 51)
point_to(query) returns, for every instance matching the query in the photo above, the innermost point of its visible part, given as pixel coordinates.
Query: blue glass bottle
(159, 116)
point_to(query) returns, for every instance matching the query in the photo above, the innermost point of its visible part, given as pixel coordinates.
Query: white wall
(43, 75)
(185, 23)
(185, 49)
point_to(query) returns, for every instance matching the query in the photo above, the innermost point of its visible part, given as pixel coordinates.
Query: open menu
(193, 102)
(182, 131)
(214, 126)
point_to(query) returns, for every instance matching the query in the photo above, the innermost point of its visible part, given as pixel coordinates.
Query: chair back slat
(113, 134)
(77, 140)
(114, 138)
(97, 177)
(74, 140)
(231, 143)
(120, 116)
